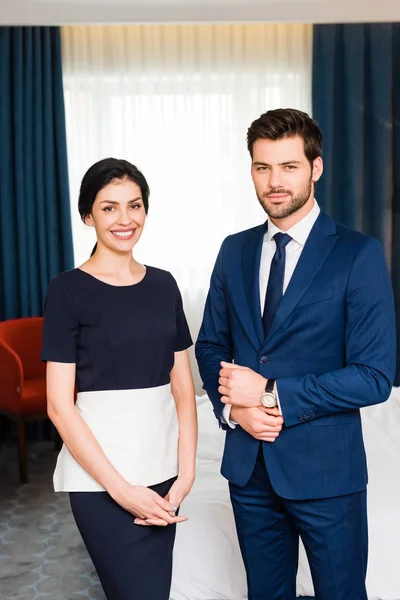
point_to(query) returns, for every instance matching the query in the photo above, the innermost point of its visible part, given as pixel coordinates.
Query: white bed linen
(207, 561)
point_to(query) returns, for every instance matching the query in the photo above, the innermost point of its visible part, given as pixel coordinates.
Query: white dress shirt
(299, 234)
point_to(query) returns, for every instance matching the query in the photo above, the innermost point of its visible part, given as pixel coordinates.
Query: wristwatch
(269, 398)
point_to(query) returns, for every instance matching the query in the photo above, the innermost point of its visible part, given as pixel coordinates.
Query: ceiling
(58, 12)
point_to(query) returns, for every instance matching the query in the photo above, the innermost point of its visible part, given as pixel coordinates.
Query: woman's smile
(125, 234)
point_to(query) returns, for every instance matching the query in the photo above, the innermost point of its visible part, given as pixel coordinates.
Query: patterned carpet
(41, 553)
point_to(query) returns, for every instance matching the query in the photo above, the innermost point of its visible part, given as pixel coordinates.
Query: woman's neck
(116, 268)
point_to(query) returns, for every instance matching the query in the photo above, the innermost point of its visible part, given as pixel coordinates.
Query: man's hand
(274, 412)
(240, 386)
(258, 423)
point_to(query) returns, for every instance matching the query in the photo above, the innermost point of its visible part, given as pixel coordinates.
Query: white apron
(138, 432)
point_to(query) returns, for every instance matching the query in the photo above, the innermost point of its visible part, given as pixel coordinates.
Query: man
(303, 308)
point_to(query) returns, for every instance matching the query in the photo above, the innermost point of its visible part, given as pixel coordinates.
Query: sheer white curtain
(176, 100)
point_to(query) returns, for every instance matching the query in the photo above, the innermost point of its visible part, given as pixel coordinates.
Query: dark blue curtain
(35, 222)
(356, 101)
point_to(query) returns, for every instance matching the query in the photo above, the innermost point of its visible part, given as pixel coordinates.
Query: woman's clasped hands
(149, 508)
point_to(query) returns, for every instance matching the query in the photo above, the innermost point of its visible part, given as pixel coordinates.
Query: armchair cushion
(22, 373)
(24, 337)
(34, 395)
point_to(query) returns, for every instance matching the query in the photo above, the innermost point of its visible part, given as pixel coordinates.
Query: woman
(116, 329)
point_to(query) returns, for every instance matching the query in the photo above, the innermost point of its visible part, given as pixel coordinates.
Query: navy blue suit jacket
(331, 349)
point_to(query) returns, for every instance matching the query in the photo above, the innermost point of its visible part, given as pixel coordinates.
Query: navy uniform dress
(121, 338)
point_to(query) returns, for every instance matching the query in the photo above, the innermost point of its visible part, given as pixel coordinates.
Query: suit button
(263, 359)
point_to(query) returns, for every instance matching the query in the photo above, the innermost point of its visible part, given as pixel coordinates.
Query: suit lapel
(251, 258)
(322, 238)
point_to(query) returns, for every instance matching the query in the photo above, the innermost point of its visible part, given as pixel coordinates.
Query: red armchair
(22, 378)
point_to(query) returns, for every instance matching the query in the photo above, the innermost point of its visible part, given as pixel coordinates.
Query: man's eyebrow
(287, 162)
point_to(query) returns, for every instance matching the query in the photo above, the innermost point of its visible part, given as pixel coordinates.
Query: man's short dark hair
(285, 123)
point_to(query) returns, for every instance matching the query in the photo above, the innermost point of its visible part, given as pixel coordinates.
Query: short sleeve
(183, 337)
(60, 328)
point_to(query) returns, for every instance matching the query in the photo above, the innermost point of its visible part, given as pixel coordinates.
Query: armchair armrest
(11, 379)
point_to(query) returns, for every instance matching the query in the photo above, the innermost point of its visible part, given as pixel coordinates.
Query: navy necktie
(274, 292)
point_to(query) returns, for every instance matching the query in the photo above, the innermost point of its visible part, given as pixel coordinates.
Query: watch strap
(270, 385)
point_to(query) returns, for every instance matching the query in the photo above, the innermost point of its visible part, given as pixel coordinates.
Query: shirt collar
(299, 232)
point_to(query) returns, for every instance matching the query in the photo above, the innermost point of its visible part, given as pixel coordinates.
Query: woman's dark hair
(283, 123)
(101, 174)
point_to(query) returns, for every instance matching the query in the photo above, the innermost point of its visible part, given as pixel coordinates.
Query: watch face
(268, 400)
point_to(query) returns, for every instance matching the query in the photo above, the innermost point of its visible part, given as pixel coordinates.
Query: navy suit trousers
(333, 531)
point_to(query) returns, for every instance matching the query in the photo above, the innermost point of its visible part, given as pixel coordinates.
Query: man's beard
(288, 208)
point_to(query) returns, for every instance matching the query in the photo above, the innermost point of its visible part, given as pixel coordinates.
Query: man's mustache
(277, 191)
